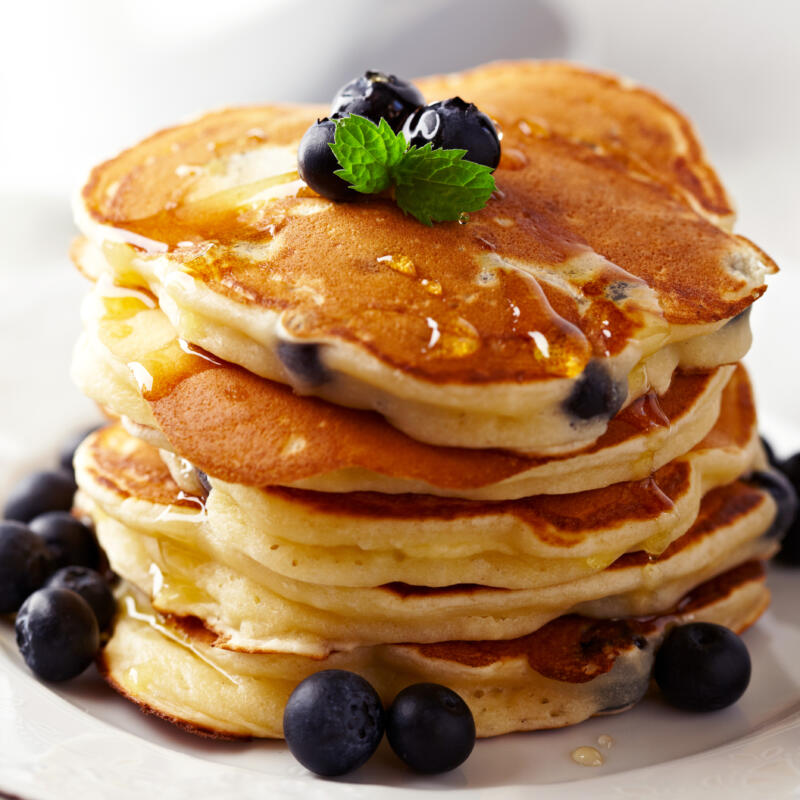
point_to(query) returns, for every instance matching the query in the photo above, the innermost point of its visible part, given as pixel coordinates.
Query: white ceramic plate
(81, 740)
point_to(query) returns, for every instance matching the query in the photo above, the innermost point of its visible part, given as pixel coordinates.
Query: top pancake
(586, 251)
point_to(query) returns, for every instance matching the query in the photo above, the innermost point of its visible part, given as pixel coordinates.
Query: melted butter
(144, 672)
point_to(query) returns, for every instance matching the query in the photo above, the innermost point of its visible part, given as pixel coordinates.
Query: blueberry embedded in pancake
(303, 362)
(595, 394)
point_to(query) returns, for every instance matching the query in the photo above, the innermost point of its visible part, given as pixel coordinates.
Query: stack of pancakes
(504, 454)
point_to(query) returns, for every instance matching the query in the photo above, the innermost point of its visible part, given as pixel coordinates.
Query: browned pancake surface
(576, 649)
(235, 426)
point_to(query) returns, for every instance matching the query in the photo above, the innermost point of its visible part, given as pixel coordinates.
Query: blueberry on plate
(316, 162)
(70, 541)
(455, 125)
(40, 492)
(57, 634)
(92, 587)
(376, 96)
(430, 728)
(333, 722)
(25, 563)
(67, 451)
(784, 495)
(702, 667)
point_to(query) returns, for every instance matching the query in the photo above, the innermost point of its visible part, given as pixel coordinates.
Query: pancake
(571, 669)
(248, 430)
(195, 561)
(581, 276)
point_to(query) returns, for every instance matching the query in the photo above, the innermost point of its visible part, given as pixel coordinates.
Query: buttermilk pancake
(506, 454)
(303, 572)
(584, 283)
(569, 670)
(248, 430)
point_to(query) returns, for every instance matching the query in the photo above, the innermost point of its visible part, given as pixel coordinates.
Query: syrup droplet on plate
(604, 740)
(587, 757)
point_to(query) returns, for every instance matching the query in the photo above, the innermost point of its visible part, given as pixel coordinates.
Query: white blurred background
(80, 79)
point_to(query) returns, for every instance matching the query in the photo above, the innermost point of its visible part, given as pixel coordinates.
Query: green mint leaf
(439, 185)
(367, 153)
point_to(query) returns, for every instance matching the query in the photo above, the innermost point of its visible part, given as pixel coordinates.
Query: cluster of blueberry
(334, 722)
(49, 574)
(449, 124)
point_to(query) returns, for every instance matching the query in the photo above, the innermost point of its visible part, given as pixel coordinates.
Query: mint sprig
(431, 185)
(367, 153)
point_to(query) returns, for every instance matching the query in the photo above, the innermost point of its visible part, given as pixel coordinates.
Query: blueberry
(70, 445)
(303, 361)
(333, 722)
(57, 634)
(40, 492)
(595, 394)
(791, 469)
(702, 667)
(455, 125)
(784, 495)
(203, 478)
(316, 162)
(376, 96)
(25, 563)
(70, 541)
(430, 728)
(92, 587)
